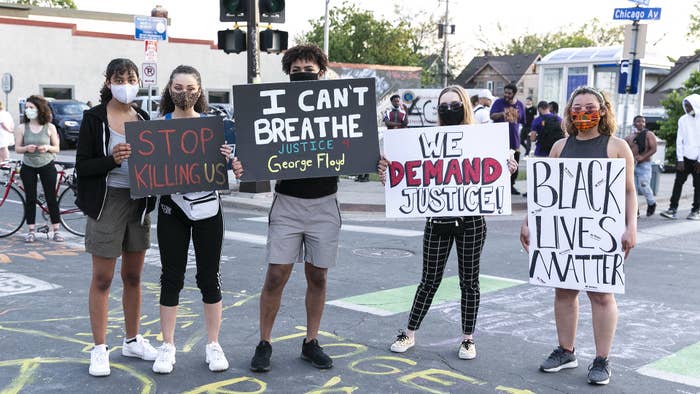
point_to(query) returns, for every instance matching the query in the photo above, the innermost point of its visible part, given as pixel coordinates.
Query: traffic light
(271, 11)
(273, 41)
(232, 41)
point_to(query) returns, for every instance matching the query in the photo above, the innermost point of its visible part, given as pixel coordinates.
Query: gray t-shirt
(119, 176)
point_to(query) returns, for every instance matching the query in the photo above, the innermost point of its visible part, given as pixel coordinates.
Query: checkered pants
(469, 240)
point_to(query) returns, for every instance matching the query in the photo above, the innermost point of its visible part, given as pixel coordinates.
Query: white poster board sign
(447, 171)
(576, 217)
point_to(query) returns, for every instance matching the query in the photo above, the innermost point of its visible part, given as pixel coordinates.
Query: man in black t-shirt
(304, 228)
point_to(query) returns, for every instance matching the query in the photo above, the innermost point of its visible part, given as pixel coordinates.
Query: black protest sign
(306, 129)
(576, 217)
(176, 156)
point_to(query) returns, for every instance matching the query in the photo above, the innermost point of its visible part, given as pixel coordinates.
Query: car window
(70, 109)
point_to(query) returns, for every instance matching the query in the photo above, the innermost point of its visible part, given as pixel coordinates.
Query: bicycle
(12, 200)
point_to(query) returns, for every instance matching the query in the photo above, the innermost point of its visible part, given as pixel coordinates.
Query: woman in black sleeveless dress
(589, 121)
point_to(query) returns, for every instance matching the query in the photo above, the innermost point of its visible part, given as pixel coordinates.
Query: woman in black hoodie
(117, 225)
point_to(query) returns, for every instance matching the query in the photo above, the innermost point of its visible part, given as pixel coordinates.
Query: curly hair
(464, 98)
(309, 52)
(117, 66)
(166, 99)
(607, 125)
(43, 110)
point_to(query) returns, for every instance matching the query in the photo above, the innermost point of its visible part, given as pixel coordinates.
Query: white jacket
(688, 137)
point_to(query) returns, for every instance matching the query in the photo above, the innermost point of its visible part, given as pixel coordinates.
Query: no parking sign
(149, 73)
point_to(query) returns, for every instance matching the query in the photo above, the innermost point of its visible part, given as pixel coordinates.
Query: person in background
(688, 158)
(546, 130)
(554, 108)
(643, 145)
(511, 110)
(117, 225)
(468, 233)
(589, 121)
(178, 221)
(7, 130)
(482, 108)
(36, 137)
(530, 113)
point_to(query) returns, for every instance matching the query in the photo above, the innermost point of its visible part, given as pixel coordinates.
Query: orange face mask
(585, 120)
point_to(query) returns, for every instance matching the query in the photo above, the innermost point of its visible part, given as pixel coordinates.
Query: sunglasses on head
(453, 106)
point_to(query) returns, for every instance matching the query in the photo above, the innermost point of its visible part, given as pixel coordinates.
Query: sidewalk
(369, 196)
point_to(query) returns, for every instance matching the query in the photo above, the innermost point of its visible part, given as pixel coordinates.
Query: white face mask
(125, 93)
(31, 113)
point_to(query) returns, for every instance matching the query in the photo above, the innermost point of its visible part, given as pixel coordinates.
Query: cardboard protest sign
(576, 217)
(306, 129)
(176, 156)
(447, 171)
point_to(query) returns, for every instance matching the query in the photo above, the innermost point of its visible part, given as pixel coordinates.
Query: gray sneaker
(670, 214)
(694, 215)
(599, 371)
(558, 360)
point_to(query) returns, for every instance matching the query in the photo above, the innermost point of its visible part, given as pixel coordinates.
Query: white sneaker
(99, 361)
(467, 351)
(215, 357)
(402, 343)
(165, 359)
(140, 348)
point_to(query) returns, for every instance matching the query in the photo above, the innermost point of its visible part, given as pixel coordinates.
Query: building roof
(601, 55)
(681, 64)
(510, 67)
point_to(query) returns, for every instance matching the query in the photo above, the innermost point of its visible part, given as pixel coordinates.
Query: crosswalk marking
(391, 231)
(680, 367)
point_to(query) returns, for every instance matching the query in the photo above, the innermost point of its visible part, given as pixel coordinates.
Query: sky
(517, 17)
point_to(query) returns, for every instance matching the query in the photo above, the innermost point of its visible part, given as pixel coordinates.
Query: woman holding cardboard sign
(468, 233)
(589, 121)
(194, 215)
(116, 225)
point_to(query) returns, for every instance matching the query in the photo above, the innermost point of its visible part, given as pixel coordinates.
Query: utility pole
(633, 52)
(253, 53)
(325, 30)
(445, 25)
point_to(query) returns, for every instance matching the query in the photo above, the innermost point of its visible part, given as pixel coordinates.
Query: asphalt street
(45, 333)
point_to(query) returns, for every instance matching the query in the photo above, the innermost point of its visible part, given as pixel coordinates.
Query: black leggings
(469, 238)
(174, 230)
(48, 175)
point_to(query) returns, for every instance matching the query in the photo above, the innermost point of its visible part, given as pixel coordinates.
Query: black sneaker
(311, 351)
(514, 191)
(261, 359)
(599, 371)
(558, 360)
(651, 209)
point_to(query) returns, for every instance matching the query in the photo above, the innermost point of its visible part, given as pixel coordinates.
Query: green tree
(46, 3)
(694, 27)
(673, 103)
(592, 33)
(356, 36)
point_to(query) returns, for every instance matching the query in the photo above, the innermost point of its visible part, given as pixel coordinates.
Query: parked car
(140, 102)
(67, 115)
(224, 110)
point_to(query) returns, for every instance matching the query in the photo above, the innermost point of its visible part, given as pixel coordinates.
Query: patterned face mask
(585, 120)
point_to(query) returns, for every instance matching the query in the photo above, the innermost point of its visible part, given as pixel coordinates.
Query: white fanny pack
(198, 205)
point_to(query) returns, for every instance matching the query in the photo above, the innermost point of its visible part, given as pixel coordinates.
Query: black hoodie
(93, 162)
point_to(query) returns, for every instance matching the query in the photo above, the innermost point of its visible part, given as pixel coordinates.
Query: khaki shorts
(119, 227)
(304, 230)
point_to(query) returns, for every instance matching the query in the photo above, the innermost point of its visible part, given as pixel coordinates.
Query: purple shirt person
(498, 114)
(509, 109)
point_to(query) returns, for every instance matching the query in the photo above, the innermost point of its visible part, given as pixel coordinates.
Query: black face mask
(451, 117)
(303, 76)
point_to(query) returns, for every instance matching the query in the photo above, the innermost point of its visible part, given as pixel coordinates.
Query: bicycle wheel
(11, 210)
(72, 218)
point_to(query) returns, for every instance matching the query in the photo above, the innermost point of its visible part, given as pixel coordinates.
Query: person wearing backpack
(545, 130)
(195, 215)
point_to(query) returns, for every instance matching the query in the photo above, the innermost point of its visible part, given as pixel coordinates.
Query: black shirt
(308, 187)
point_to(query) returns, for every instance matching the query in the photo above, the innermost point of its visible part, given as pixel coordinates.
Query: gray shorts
(119, 228)
(304, 230)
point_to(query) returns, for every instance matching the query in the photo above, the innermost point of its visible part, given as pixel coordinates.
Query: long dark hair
(42, 108)
(116, 66)
(166, 100)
